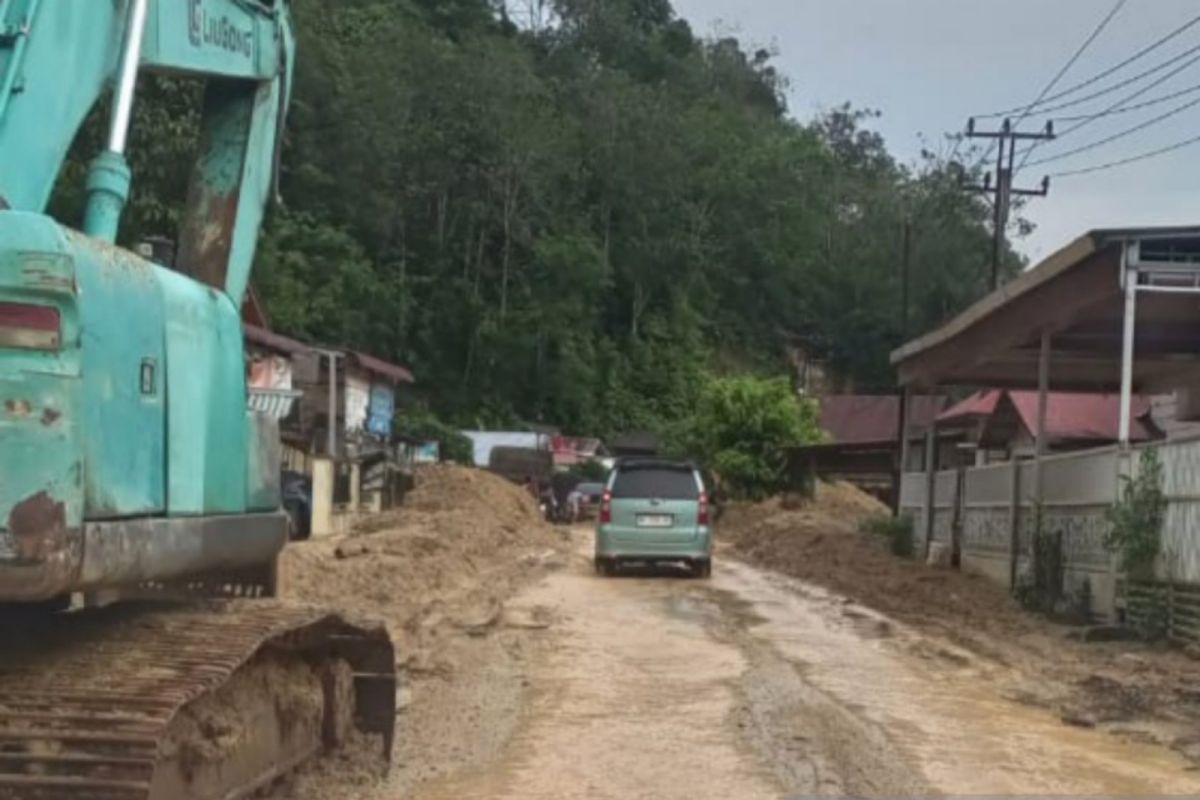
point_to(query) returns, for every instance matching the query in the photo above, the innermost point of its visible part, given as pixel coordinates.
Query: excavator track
(218, 701)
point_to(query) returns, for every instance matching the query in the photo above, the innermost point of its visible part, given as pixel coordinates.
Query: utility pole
(905, 269)
(902, 407)
(1003, 191)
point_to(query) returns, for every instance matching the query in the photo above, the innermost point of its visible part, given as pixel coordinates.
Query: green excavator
(130, 465)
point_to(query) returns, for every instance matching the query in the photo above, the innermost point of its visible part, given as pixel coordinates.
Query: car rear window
(664, 483)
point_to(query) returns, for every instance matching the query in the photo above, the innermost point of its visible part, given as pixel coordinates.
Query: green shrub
(1041, 590)
(590, 472)
(1137, 518)
(896, 531)
(742, 428)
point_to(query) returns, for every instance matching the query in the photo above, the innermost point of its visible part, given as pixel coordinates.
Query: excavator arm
(58, 57)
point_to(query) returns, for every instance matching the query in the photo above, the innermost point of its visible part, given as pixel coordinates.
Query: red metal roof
(873, 419)
(1069, 416)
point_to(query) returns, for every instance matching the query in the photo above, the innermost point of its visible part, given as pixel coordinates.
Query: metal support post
(1128, 327)
(1043, 403)
(903, 452)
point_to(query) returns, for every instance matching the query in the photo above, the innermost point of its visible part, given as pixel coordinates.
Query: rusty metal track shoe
(136, 703)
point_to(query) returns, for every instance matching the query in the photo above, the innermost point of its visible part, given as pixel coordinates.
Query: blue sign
(381, 410)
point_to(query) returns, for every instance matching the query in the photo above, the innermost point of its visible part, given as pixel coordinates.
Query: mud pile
(1133, 688)
(461, 539)
(820, 541)
(438, 572)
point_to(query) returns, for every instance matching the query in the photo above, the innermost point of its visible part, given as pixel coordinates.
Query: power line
(1137, 107)
(1071, 62)
(1095, 34)
(1111, 70)
(1122, 84)
(1127, 132)
(1131, 160)
(1117, 105)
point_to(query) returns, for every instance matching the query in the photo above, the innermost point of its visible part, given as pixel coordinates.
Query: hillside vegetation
(577, 222)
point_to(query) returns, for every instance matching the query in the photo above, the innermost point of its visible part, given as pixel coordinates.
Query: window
(661, 482)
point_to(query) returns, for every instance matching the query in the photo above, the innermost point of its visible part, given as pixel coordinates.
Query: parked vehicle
(297, 502)
(519, 464)
(590, 497)
(654, 511)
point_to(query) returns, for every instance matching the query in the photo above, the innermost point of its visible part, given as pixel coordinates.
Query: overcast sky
(929, 64)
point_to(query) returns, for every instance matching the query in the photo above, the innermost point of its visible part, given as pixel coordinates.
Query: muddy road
(754, 685)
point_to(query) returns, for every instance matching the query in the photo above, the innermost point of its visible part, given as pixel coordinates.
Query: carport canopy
(1115, 309)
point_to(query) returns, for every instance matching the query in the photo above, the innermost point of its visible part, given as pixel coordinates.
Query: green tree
(742, 427)
(578, 224)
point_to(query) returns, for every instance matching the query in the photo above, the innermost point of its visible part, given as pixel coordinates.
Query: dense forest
(577, 222)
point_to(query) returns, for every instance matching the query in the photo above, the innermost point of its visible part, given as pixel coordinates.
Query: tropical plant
(742, 428)
(1136, 518)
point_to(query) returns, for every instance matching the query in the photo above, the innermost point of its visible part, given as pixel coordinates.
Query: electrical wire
(1137, 107)
(1121, 135)
(1122, 84)
(1110, 71)
(1095, 34)
(1071, 62)
(1025, 154)
(1131, 160)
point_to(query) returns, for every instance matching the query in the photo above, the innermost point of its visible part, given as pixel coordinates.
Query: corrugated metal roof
(873, 419)
(289, 346)
(393, 372)
(274, 341)
(1069, 416)
(1067, 258)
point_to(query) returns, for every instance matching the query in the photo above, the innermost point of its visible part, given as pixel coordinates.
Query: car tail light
(29, 327)
(606, 507)
(702, 515)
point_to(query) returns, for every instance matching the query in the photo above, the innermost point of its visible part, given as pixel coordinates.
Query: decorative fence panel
(992, 512)
(1077, 491)
(987, 511)
(912, 501)
(945, 507)
(1181, 531)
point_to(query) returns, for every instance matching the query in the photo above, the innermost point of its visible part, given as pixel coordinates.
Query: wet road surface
(751, 685)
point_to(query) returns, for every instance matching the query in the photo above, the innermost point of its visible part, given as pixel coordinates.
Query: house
(570, 451)
(1111, 316)
(863, 439)
(363, 394)
(273, 364)
(1000, 425)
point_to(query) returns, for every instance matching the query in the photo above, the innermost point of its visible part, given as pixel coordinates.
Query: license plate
(655, 520)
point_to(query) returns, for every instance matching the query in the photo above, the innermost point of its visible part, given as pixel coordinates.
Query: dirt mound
(460, 541)
(438, 571)
(820, 541)
(1042, 663)
(449, 488)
